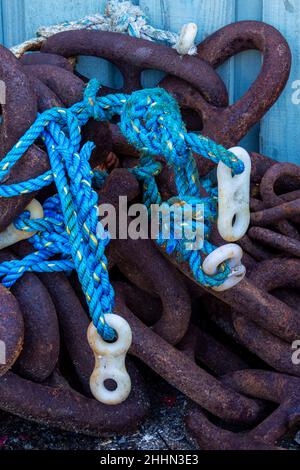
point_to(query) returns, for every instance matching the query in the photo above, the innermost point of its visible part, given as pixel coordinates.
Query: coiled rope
(150, 120)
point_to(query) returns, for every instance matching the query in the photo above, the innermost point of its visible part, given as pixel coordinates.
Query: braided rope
(151, 121)
(120, 17)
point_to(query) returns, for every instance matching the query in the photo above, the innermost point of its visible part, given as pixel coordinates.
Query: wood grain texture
(93, 67)
(209, 15)
(279, 136)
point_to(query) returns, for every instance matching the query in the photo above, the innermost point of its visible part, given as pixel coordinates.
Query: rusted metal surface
(132, 56)
(221, 315)
(41, 335)
(270, 275)
(147, 307)
(256, 304)
(159, 278)
(209, 436)
(280, 171)
(48, 59)
(272, 350)
(259, 165)
(269, 349)
(69, 89)
(205, 349)
(46, 99)
(74, 322)
(257, 252)
(54, 402)
(30, 94)
(11, 330)
(260, 314)
(18, 96)
(275, 240)
(182, 372)
(63, 83)
(277, 388)
(270, 216)
(277, 273)
(33, 163)
(19, 113)
(255, 35)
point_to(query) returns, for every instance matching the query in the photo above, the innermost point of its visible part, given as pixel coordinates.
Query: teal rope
(151, 121)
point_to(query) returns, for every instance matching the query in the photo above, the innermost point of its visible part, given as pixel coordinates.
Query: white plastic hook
(233, 199)
(231, 253)
(186, 41)
(12, 235)
(110, 361)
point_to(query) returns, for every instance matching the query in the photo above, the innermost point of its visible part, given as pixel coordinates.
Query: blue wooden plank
(13, 20)
(23, 17)
(247, 66)
(209, 15)
(279, 129)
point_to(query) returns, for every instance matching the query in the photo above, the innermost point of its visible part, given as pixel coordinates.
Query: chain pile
(233, 348)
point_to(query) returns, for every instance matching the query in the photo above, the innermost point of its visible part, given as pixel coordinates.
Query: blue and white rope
(151, 121)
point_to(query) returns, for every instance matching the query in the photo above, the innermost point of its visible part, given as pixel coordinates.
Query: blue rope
(151, 121)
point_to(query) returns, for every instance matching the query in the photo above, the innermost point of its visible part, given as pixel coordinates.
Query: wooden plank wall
(276, 136)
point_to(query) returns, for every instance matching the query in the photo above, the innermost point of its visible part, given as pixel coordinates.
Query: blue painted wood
(1, 24)
(13, 22)
(93, 67)
(209, 15)
(280, 128)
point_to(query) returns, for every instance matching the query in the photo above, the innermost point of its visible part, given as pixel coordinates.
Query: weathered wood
(21, 18)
